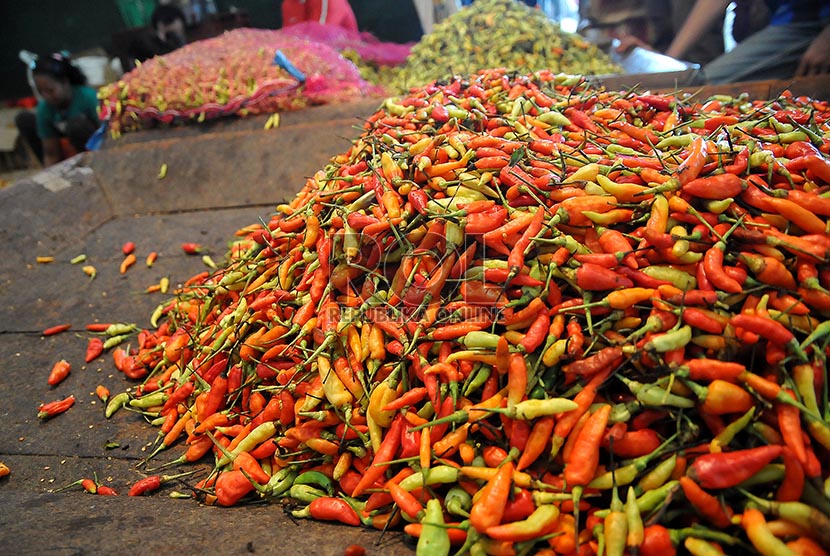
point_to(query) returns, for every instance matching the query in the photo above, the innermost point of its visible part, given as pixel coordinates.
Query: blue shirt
(794, 11)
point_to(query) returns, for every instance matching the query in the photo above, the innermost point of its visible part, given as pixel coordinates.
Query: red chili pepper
(581, 119)
(128, 248)
(789, 424)
(727, 469)
(105, 490)
(657, 541)
(488, 510)
(605, 358)
(765, 327)
(145, 485)
(691, 166)
(769, 270)
(328, 508)
(419, 200)
(702, 320)
(658, 102)
(713, 268)
(408, 504)
(536, 442)
(57, 407)
(739, 163)
(102, 392)
(151, 259)
(633, 443)
(179, 395)
(386, 452)
(713, 369)
(439, 113)
(59, 372)
(194, 248)
(516, 379)
(94, 348)
(817, 165)
(792, 487)
(592, 277)
(715, 187)
(57, 329)
(585, 453)
(537, 333)
(231, 486)
(705, 504)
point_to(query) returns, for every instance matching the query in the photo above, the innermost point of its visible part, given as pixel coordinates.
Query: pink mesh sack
(232, 74)
(366, 45)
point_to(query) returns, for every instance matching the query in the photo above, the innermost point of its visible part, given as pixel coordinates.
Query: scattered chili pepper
(153, 483)
(49, 410)
(57, 329)
(192, 248)
(128, 261)
(59, 372)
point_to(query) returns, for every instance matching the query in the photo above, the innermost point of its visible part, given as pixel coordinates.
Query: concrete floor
(220, 177)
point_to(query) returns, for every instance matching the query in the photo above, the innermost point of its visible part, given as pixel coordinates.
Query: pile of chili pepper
(495, 34)
(523, 316)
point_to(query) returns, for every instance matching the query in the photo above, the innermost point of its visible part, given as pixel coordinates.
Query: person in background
(166, 34)
(67, 114)
(796, 42)
(327, 12)
(661, 21)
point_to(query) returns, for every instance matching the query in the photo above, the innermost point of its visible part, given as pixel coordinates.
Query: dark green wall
(44, 26)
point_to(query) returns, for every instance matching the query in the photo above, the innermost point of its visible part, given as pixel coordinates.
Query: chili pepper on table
(94, 348)
(51, 409)
(59, 372)
(192, 248)
(105, 490)
(153, 482)
(57, 329)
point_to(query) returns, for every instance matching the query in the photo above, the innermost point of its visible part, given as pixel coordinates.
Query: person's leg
(26, 123)
(78, 130)
(771, 53)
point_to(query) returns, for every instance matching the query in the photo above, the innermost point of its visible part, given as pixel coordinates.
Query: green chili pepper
(315, 478)
(115, 403)
(120, 328)
(257, 436)
(434, 539)
(458, 501)
(152, 399)
(280, 482)
(653, 395)
(113, 341)
(305, 493)
(658, 476)
(440, 474)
